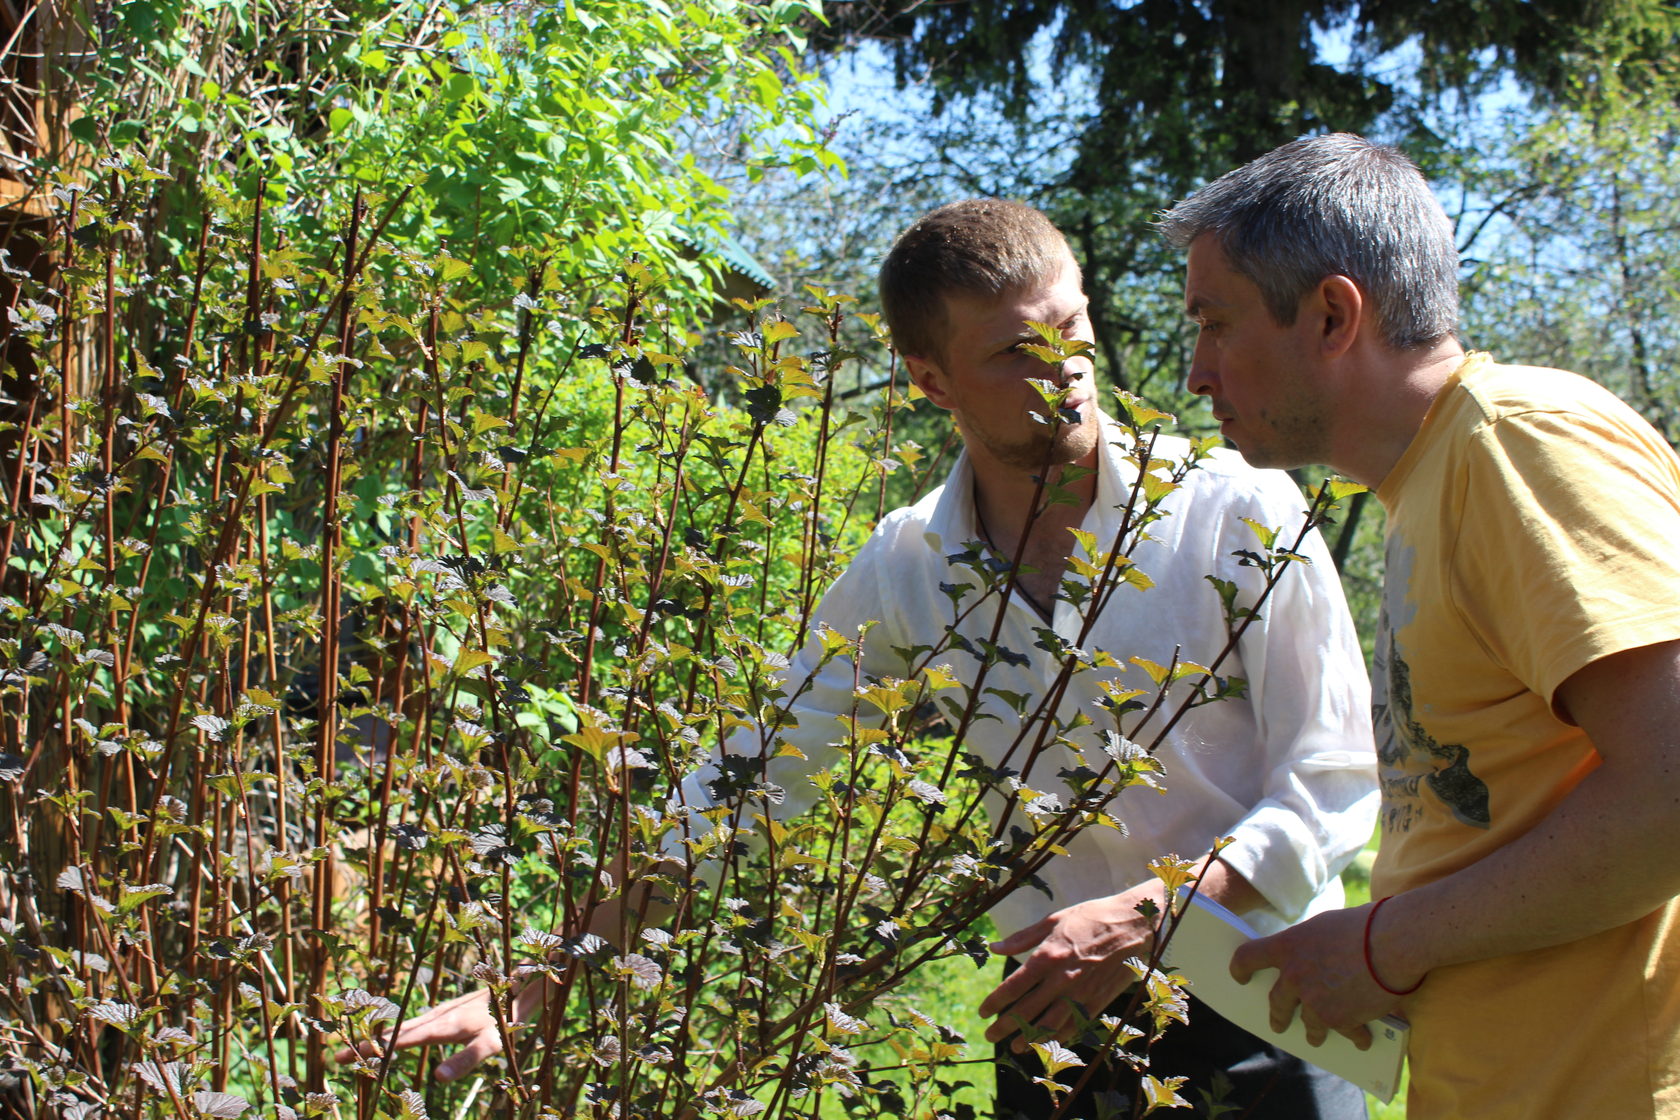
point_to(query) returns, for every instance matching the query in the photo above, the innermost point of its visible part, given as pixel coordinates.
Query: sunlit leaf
(1056, 1057)
(1262, 533)
(1157, 672)
(223, 1106)
(1161, 1093)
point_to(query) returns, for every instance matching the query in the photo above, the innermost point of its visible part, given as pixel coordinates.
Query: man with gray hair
(1527, 669)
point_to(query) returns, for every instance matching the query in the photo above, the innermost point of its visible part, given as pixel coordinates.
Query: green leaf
(1189, 669)
(1341, 488)
(888, 695)
(469, 659)
(595, 740)
(1156, 488)
(1142, 415)
(1056, 1057)
(450, 269)
(134, 896)
(1265, 535)
(1157, 672)
(939, 676)
(1162, 1093)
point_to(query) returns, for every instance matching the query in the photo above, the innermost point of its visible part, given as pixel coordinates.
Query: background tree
(1573, 269)
(1177, 92)
(1104, 113)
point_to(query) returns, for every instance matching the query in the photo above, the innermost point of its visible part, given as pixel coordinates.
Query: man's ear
(1339, 310)
(930, 379)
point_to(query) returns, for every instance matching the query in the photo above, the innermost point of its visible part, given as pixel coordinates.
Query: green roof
(728, 252)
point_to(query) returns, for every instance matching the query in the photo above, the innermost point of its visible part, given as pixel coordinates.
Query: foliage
(542, 144)
(365, 609)
(1184, 86)
(1102, 114)
(1096, 114)
(337, 681)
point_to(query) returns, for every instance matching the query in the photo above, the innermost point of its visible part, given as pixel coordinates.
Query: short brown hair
(980, 246)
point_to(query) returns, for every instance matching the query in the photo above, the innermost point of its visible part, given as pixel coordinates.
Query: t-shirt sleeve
(1569, 547)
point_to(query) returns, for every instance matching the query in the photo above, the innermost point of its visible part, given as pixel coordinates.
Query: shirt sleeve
(1308, 684)
(1569, 547)
(818, 707)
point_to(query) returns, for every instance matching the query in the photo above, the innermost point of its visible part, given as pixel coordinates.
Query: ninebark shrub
(364, 606)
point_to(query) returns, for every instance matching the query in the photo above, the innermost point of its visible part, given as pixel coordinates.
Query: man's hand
(1076, 959)
(465, 1021)
(1321, 969)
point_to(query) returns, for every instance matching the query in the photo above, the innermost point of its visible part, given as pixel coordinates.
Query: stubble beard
(1298, 439)
(1053, 445)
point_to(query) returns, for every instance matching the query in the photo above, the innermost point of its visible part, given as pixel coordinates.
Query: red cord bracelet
(1371, 916)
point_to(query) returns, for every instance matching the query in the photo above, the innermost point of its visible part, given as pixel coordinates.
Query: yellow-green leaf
(1341, 488)
(1157, 672)
(888, 695)
(778, 330)
(595, 740)
(1189, 668)
(469, 659)
(1265, 535)
(939, 676)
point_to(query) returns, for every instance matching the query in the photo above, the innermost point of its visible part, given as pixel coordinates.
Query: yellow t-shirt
(1534, 527)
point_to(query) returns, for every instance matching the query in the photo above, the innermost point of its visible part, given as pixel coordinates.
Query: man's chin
(1268, 459)
(1071, 444)
(1252, 455)
(1074, 443)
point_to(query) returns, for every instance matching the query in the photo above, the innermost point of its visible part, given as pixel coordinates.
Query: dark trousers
(1264, 1083)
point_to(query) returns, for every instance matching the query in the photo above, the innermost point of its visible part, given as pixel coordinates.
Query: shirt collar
(952, 523)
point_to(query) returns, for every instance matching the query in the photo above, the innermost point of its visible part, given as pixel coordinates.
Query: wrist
(1387, 959)
(1227, 886)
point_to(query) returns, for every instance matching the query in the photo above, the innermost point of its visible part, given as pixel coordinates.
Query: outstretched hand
(465, 1022)
(1075, 964)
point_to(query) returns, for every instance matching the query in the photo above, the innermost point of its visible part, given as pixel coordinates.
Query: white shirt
(1288, 771)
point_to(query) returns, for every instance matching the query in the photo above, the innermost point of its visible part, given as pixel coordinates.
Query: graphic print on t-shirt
(1409, 759)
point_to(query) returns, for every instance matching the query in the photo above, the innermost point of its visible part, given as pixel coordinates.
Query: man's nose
(1202, 378)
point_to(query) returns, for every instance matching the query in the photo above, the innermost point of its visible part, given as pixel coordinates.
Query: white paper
(1201, 951)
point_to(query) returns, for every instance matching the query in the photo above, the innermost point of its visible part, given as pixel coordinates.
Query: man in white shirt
(1286, 770)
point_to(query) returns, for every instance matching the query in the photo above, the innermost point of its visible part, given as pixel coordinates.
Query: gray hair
(1335, 205)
